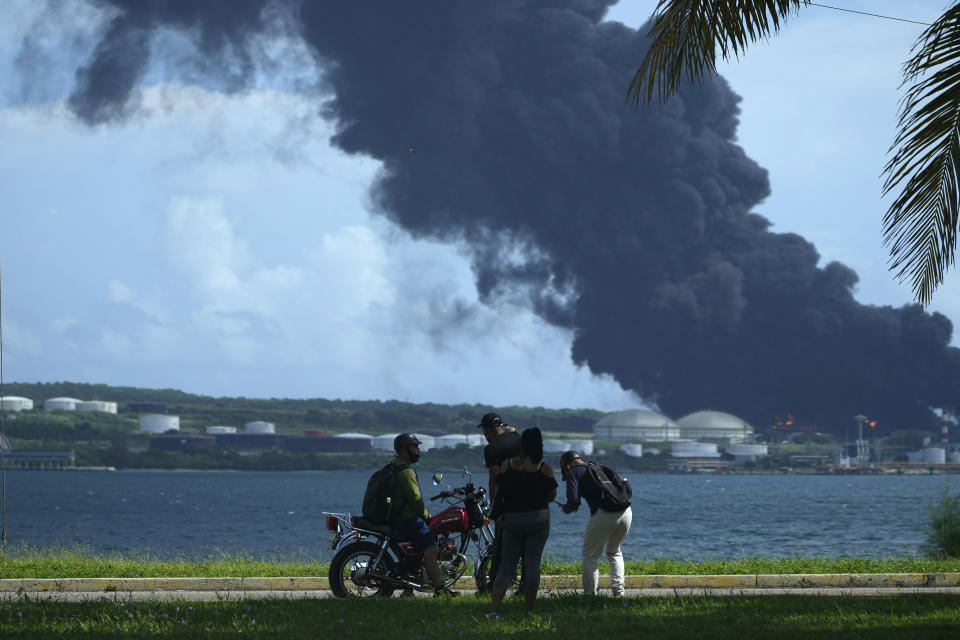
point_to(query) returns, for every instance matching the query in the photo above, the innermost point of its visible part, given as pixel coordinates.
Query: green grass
(944, 527)
(80, 562)
(568, 616)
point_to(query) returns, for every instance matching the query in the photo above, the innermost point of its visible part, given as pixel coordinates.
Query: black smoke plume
(503, 124)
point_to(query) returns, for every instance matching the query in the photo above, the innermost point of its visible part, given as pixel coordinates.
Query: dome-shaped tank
(714, 425)
(218, 430)
(636, 424)
(60, 404)
(353, 434)
(694, 450)
(259, 426)
(16, 403)
(159, 424)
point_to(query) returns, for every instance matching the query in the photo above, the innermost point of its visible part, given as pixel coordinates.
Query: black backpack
(378, 504)
(615, 491)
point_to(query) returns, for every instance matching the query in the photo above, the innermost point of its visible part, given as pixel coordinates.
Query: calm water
(197, 514)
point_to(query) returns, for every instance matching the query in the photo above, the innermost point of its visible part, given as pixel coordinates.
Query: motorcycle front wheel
(350, 572)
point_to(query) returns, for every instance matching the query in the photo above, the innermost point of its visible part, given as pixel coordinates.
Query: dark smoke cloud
(504, 124)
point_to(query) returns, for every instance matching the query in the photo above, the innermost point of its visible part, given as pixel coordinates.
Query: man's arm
(494, 472)
(573, 492)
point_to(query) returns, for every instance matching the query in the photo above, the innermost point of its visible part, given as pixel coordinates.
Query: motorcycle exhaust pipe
(400, 582)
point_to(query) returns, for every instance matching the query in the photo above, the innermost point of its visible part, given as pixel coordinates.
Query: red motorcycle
(375, 560)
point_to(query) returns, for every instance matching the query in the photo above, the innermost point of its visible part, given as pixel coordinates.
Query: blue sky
(218, 244)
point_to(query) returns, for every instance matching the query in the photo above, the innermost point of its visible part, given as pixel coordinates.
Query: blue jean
(524, 535)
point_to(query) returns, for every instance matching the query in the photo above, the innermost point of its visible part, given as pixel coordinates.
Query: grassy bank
(80, 563)
(557, 617)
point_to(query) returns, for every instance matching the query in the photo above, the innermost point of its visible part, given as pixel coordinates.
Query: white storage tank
(931, 455)
(217, 430)
(60, 404)
(426, 442)
(384, 442)
(552, 445)
(97, 405)
(632, 450)
(694, 450)
(583, 447)
(450, 441)
(16, 403)
(636, 424)
(159, 424)
(747, 452)
(259, 426)
(476, 440)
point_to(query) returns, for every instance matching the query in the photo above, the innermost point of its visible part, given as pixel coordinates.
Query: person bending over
(605, 529)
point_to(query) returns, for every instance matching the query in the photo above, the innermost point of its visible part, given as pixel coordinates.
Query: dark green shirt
(406, 493)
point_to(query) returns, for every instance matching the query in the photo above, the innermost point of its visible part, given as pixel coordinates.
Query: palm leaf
(686, 34)
(920, 227)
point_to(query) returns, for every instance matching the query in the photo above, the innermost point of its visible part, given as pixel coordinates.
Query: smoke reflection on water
(197, 514)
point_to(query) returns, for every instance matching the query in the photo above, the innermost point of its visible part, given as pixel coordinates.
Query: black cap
(404, 440)
(568, 457)
(490, 421)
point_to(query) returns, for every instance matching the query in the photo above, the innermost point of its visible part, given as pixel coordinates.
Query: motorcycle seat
(383, 529)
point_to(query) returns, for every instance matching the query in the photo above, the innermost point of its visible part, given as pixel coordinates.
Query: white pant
(605, 530)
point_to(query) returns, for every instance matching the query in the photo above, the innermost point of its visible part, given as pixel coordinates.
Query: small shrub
(944, 527)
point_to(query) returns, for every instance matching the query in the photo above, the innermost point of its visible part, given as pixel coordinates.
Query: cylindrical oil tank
(384, 442)
(476, 440)
(581, 446)
(159, 424)
(554, 445)
(97, 405)
(757, 450)
(694, 450)
(353, 435)
(932, 455)
(632, 450)
(259, 426)
(217, 430)
(450, 440)
(426, 442)
(60, 404)
(16, 403)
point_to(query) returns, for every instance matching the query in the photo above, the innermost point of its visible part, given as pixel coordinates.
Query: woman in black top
(528, 486)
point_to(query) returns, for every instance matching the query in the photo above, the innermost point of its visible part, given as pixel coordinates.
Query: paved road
(203, 596)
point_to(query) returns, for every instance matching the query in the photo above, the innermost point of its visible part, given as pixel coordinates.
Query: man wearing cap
(503, 444)
(411, 519)
(605, 529)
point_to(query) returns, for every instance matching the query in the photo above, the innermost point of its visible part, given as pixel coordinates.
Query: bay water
(278, 515)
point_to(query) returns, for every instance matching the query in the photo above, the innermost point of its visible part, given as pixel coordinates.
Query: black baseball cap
(490, 421)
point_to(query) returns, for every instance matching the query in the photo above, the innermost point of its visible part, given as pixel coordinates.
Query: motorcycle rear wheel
(348, 572)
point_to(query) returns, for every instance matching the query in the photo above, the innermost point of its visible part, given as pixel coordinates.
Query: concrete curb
(738, 582)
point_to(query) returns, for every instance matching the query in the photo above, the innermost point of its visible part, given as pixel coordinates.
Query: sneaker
(443, 592)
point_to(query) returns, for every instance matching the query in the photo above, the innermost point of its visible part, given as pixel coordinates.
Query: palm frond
(920, 227)
(687, 33)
